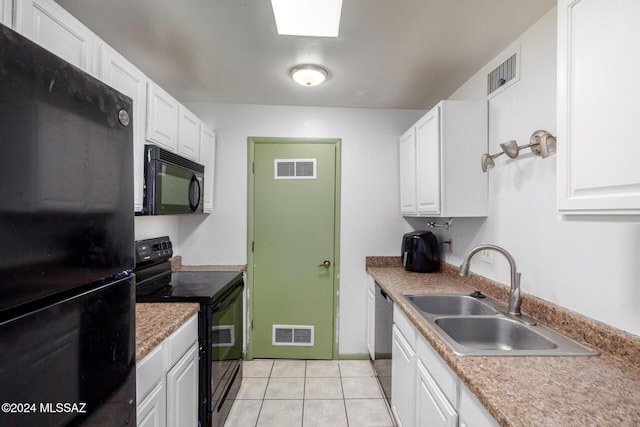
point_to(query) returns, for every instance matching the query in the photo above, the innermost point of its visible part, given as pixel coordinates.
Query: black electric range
(220, 321)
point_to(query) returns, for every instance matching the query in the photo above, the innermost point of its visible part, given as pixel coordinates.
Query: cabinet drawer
(149, 371)
(179, 342)
(405, 326)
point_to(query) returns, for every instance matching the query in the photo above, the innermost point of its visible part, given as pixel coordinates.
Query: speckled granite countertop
(156, 321)
(533, 391)
(176, 265)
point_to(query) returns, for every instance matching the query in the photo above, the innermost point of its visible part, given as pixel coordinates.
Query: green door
(293, 261)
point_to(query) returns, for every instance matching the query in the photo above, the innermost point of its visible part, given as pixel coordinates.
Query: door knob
(325, 264)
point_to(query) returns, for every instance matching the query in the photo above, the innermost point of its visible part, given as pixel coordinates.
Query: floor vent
(503, 76)
(223, 336)
(292, 335)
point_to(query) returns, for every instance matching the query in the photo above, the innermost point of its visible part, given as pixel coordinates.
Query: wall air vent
(504, 75)
(292, 335)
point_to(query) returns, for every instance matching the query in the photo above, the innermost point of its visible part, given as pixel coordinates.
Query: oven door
(226, 352)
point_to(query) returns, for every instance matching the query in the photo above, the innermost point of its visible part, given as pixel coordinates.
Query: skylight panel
(313, 18)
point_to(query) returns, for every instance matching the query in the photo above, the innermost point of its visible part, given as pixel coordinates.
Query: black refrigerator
(67, 297)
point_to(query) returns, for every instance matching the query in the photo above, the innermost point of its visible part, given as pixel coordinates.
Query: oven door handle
(228, 298)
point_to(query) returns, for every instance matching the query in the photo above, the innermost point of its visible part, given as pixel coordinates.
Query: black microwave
(172, 184)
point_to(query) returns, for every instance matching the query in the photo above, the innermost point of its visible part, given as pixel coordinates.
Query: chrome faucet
(515, 299)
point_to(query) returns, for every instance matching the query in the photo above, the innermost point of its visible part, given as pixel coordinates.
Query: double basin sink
(480, 327)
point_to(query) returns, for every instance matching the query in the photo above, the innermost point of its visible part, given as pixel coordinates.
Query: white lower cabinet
(432, 408)
(403, 368)
(472, 412)
(167, 380)
(182, 390)
(152, 410)
(425, 391)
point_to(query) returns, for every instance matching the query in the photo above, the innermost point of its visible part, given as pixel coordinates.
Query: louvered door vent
(506, 72)
(292, 335)
(294, 168)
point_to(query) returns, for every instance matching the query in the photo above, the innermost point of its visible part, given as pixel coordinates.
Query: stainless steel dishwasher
(383, 339)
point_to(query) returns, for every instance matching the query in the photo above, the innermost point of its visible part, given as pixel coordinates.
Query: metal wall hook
(446, 225)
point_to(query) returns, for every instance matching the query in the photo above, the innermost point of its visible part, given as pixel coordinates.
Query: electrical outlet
(486, 256)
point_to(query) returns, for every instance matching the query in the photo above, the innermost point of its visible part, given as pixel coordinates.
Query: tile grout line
(304, 390)
(264, 394)
(344, 399)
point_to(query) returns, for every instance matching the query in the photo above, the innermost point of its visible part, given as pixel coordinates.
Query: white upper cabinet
(6, 13)
(407, 144)
(189, 135)
(208, 159)
(428, 163)
(598, 107)
(440, 173)
(52, 27)
(163, 112)
(123, 76)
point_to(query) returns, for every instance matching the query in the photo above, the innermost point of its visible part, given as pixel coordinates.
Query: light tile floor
(309, 393)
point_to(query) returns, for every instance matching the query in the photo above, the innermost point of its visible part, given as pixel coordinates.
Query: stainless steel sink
(493, 333)
(472, 327)
(450, 305)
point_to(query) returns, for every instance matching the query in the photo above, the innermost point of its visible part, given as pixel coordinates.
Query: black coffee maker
(420, 252)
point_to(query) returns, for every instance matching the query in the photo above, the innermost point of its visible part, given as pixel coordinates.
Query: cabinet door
(403, 380)
(162, 118)
(472, 412)
(208, 159)
(598, 107)
(432, 407)
(123, 76)
(407, 144)
(53, 28)
(371, 323)
(428, 163)
(6, 13)
(151, 412)
(182, 391)
(189, 135)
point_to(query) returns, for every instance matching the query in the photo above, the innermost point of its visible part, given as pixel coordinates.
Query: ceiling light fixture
(308, 74)
(314, 18)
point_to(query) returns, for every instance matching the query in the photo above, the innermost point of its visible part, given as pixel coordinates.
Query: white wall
(370, 223)
(590, 266)
(587, 266)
